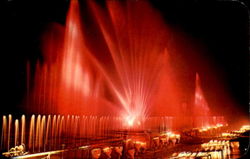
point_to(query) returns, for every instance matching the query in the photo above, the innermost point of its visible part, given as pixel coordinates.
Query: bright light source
(130, 120)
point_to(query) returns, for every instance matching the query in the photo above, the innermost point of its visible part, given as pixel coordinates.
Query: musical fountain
(105, 90)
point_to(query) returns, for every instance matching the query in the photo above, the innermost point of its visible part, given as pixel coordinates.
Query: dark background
(220, 27)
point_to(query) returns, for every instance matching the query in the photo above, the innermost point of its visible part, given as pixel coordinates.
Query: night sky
(219, 28)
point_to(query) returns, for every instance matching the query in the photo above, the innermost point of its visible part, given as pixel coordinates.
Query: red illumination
(123, 68)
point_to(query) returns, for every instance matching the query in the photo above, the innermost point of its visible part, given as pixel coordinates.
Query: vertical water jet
(16, 137)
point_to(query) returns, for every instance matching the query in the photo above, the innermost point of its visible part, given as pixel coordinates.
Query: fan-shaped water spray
(77, 75)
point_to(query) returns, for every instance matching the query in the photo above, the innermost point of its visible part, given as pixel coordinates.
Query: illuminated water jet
(76, 77)
(48, 133)
(127, 71)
